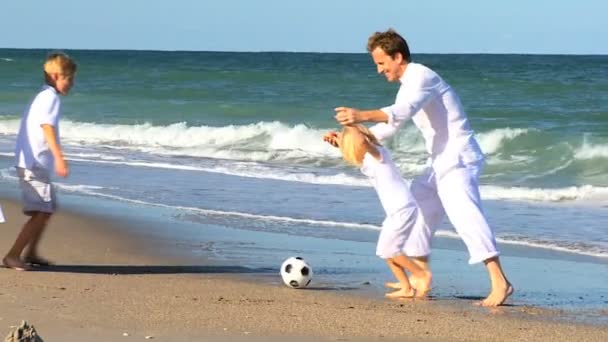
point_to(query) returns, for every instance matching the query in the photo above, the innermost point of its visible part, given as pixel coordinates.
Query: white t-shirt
(384, 175)
(32, 150)
(435, 109)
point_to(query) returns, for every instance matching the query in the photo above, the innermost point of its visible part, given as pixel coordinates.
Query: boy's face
(63, 83)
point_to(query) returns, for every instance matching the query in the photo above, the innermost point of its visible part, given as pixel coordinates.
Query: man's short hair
(390, 42)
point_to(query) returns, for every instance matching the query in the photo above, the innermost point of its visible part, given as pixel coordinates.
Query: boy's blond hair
(59, 63)
(352, 152)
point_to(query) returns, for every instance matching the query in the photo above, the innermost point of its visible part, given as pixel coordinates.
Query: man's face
(392, 68)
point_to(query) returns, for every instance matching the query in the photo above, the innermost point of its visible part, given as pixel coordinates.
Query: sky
(440, 26)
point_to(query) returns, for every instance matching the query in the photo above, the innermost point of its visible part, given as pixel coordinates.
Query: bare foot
(401, 293)
(37, 260)
(497, 297)
(15, 263)
(422, 284)
(391, 285)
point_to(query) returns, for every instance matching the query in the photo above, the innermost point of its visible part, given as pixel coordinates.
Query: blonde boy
(403, 223)
(37, 152)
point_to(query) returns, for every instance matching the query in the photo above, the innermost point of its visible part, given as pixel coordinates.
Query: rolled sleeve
(46, 108)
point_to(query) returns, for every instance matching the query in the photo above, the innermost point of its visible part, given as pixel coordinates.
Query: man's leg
(459, 193)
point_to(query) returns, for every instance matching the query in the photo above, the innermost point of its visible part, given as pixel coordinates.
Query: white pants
(456, 195)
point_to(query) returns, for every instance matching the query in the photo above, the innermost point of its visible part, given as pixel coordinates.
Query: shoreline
(109, 281)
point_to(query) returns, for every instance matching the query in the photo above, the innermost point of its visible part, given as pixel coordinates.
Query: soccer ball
(296, 272)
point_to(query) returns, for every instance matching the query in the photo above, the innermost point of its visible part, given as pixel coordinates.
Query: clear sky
(440, 26)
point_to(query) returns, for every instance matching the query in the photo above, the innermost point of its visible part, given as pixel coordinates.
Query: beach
(194, 175)
(111, 283)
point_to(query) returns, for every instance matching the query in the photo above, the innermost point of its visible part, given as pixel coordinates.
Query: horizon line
(305, 52)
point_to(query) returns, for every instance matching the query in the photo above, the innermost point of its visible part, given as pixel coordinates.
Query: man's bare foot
(497, 297)
(15, 263)
(401, 293)
(422, 284)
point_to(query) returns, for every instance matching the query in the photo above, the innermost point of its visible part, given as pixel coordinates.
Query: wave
(259, 141)
(492, 141)
(6, 59)
(544, 195)
(590, 151)
(262, 171)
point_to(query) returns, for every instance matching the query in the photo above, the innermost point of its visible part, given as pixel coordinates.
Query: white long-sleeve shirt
(435, 109)
(393, 191)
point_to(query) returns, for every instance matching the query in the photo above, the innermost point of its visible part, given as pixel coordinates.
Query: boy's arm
(61, 167)
(333, 138)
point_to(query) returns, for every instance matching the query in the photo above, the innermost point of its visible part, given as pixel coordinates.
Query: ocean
(234, 140)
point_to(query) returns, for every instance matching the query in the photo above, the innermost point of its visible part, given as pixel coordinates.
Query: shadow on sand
(152, 269)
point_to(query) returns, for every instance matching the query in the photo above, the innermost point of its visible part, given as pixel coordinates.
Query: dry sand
(109, 285)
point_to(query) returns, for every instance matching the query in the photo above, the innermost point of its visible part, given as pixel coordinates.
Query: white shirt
(384, 175)
(32, 149)
(435, 109)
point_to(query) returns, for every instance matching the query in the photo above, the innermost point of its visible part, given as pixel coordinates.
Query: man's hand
(61, 167)
(347, 116)
(332, 138)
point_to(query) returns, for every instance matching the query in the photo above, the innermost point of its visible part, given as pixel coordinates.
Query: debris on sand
(23, 333)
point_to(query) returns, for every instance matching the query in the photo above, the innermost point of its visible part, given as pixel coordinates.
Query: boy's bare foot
(401, 293)
(393, 285)
(497, 297)
(15, 263)
(422, 284)
(37, 260)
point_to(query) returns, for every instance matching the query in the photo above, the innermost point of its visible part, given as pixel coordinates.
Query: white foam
(547, 245)
(93, 190)
(540, 194)
(492, 141)
(590, 151)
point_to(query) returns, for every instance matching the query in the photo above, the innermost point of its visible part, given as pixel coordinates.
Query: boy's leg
(396, 230)
(31, 255)
(31, 229)
(39, 201)
(404, 290)
(430, 214)
(420, 279)
(459, 193)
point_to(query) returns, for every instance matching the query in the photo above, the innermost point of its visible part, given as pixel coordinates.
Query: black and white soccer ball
(296, 272)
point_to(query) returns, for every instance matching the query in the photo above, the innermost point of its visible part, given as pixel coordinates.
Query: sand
(109, 284)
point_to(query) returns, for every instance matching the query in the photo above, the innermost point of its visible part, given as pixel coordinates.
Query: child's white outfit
(33, 156)
(450, 184)
(403, 227)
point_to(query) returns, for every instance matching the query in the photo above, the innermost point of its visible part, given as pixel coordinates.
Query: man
(449, 186)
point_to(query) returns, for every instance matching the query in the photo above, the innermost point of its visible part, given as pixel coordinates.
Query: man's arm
(61, 167)
(348, 116)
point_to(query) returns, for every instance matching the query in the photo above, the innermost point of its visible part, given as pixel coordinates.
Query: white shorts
(404, 233)
(38, 194)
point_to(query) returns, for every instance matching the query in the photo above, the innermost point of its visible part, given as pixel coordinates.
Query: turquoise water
(235, 138)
